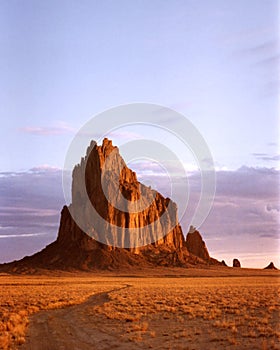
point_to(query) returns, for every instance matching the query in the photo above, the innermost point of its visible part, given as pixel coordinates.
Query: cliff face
(128, 214)
(131, 224)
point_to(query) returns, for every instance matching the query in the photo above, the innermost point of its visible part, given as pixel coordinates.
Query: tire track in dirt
(71, 328)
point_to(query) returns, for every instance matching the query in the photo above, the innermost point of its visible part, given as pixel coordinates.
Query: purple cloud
(60, 129)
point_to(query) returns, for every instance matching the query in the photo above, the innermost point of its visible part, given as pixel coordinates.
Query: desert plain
(162, 308)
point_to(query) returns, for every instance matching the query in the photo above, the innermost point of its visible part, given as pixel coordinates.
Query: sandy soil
(166, 313)
(72, 328)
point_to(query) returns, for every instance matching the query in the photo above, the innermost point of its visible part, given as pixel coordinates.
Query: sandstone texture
(110, 238)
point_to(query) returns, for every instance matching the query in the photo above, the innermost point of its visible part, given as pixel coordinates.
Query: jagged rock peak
(122, 201)
(91, 247)
(196, 245)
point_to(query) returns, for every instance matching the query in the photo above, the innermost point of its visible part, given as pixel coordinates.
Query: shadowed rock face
(270, 267)
(196, 245)
(100, 175)
(236, 263)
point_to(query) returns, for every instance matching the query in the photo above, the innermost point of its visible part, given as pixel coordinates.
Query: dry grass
(232, 311)
(165, 313)
(23, 296)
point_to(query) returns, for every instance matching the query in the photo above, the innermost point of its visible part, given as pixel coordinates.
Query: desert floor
(215, 308)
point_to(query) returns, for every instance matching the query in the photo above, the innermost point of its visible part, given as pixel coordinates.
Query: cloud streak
(22, 235)
(60, 129)
(267, 157)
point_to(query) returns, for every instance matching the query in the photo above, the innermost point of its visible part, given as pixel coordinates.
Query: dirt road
(165, 314)
(75, 328)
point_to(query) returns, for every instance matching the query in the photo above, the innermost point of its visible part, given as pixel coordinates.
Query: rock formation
(270, 267)
(104, 170)
(236, 263)
(223, 263)
(196, 245)
(112, 240)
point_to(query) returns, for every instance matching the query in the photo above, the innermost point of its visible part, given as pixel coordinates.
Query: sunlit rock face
(122, 203)
(116, 222)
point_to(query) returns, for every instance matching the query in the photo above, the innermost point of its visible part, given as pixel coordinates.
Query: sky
(215, 62)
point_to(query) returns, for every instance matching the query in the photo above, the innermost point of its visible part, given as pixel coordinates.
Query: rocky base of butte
(74, 249)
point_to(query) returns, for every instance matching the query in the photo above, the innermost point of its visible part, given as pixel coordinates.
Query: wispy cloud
(272, 144)
(243, 37)
(23, 235)
(266, 156)
(44, 168)
(150, 168)
(16, 210)
(262, 49)
(59, 128)
(262, 55)
(123, 135)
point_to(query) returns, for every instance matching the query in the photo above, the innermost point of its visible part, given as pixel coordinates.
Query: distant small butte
(270, 267)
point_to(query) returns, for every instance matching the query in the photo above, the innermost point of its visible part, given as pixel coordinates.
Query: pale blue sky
(64, 61)
(216, 62)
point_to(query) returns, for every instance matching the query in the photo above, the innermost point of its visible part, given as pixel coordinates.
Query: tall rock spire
(131, 224)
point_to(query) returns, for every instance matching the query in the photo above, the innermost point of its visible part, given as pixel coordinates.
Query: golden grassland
(238, 311)
(22, 296)
(154, 312)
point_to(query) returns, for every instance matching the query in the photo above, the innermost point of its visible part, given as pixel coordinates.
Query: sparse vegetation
(173, 313)
(21, 297)
(227, 311)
